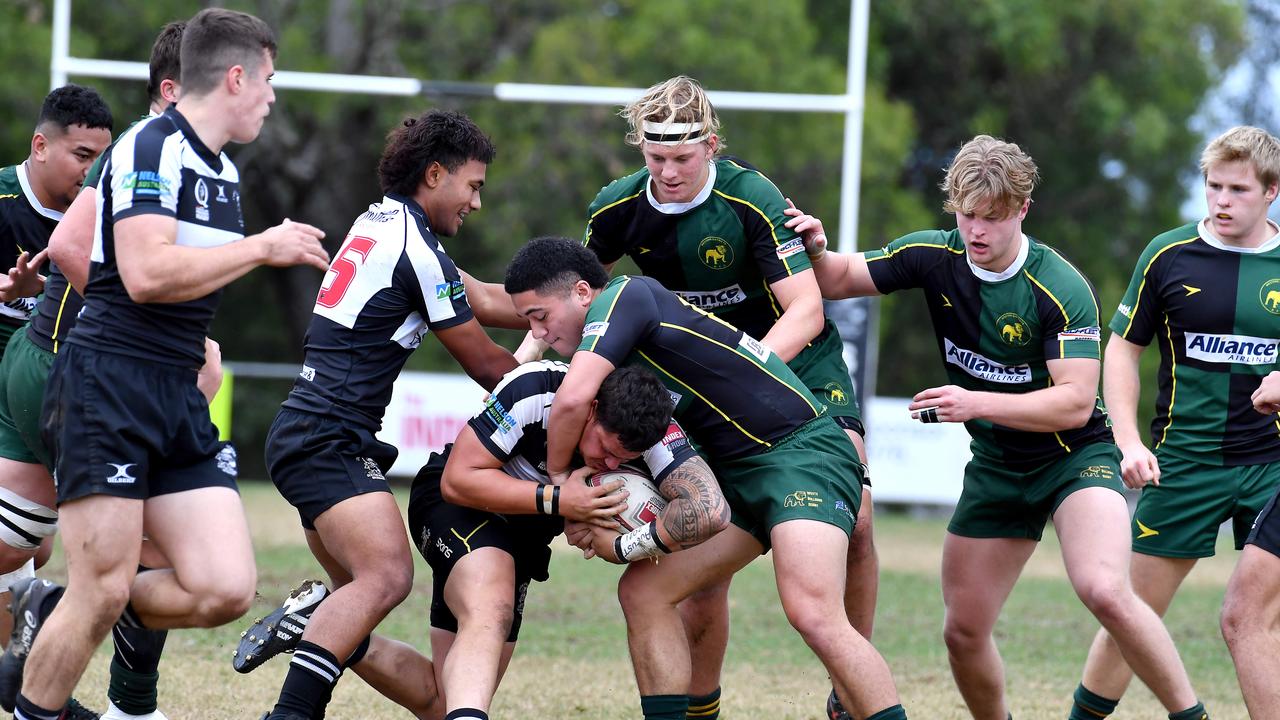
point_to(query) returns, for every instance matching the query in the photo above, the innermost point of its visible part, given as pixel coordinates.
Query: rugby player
(390, 284)
(791, 477)
(714, 230)
(1202, 291)
(1017, 327)
(167, 243)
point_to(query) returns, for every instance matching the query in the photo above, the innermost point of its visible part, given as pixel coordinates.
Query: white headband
(674, 133)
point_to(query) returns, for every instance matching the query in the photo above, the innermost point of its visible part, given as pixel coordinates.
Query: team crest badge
(715, 253)
(836, 395)
(1013, 329)
(1269, 296)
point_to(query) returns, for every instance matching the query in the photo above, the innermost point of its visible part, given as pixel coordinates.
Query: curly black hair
(74, 105)
(548, 264)
(444, 136)
(634, 404)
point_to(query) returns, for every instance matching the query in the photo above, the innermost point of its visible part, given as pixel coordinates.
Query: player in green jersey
(714, 231)
(1017, 326)
(1251, 611)
(1209, 293)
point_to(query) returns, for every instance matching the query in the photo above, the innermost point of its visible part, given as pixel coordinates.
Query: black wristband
(617, 549)
(653, 532)
(555, 500)
(538, 498)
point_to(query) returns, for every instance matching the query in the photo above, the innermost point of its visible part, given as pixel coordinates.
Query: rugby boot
(280, 631)
(75, 711)
(836, 711)
(115, 713)
(30, 603)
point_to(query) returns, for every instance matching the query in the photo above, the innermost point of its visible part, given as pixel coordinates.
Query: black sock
(704, 707)
(890, 713)
(1087, 705)
(27, 710)
(313, 672)
(358, 654)
(467, 714)
(664, 707)
(1195, 712)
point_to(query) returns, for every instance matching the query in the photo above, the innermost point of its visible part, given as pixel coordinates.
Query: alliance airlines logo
(1241, 349)
(985, 368)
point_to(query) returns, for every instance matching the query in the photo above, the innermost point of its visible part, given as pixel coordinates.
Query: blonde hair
(678, 100)
(1244, 143)
(989, 173)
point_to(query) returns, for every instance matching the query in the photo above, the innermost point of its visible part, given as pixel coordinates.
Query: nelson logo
(1241, 349)
(1013, 329)
(985, 368)
(715, 253)
(1269, 296)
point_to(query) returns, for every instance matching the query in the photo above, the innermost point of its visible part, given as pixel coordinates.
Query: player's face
(64, 157)
(992, 236)
(602, 450)
(256, 97)
(554, 318)
(454, 195)
(1237, 202)
(678, 171)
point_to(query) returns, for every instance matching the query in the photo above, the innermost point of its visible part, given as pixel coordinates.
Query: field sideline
(572, 659)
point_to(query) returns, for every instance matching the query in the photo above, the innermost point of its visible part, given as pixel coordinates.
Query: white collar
(677, 208)
(1271, 243)
(25, 182)
(1014, 268)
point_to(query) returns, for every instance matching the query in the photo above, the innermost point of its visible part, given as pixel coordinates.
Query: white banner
(427, 410)
(912, 462)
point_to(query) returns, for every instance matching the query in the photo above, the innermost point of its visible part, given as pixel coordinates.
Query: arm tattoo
(696, 508)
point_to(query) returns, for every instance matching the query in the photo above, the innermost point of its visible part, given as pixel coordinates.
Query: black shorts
(1266, 529)
(130, 428)
(317, 461)
(444, 532)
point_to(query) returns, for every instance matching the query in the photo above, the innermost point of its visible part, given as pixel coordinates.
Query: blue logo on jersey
(145, 182)
(499, 415)
(451, 290)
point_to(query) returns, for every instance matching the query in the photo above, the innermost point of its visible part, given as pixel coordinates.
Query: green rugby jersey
(1215, 311)
(733, 395)
(719, 252)
(996, 331)
(25, 226)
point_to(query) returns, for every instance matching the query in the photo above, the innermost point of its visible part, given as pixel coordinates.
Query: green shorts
(822, 369)
(23, 374)
(1001, 503)
(811, 474)
(1179, 518)
(6, 332)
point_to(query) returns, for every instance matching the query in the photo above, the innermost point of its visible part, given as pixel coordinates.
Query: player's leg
(27, 522)
(1251, 627)
(863, 571)
(1093, 527)
(809, 559)
(705, 615)
(101, 536)
(480, 592)
(977, 576)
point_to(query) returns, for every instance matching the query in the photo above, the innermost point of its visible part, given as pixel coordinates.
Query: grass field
(572, 658)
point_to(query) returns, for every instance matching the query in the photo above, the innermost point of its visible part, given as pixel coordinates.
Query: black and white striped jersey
(158, 167)
(513, 425)
(389, 285)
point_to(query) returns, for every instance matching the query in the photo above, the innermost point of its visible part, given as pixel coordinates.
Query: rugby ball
(644, 502)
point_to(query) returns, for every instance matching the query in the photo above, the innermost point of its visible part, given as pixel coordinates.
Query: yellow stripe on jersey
(1138, 300)
(773, 301)
(697, 394)
(467, 537)
(6, 197)
(1173, 377)
(1057, 435)
(895, 251)
(1066, 317)
(743, 354)
(704, 313)
(1096, 310)
(587, 239)
(773, 231)
(57, 322)
(625, 279)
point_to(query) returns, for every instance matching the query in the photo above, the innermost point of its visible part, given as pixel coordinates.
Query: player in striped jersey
(1017, 328)
(1208, 293)
(789, 473)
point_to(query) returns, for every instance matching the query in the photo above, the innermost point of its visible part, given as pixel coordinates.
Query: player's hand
(579, 535)
(1266, 399)
(209, 378)
(24, 279)
(602, 544)
(531, 349)
(1138, 466)
(593, 505)
(808, 227)
(948, 403)
(293, 243)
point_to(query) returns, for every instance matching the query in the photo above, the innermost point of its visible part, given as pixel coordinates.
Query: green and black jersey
(733, 396)
(719, 251)
(996, 331)
(25, 226)
(1215, 310)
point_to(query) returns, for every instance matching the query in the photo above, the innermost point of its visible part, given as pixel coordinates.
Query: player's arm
(1066, 404)
(802, 317)
(1266, 399)
(72, 239)
(839, 275)
(570, 408)
(1121, 386)
(473, 477)
(696, 508)
(155, 269)
(491, 304)
(482, 359)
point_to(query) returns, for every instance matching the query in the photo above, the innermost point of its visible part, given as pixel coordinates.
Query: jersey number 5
(343, 270)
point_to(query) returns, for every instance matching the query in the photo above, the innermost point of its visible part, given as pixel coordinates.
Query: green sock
(890, 713)
(664, 707)
(132, 692)
(1088, 706)
(1195, 712)
(704, 707)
